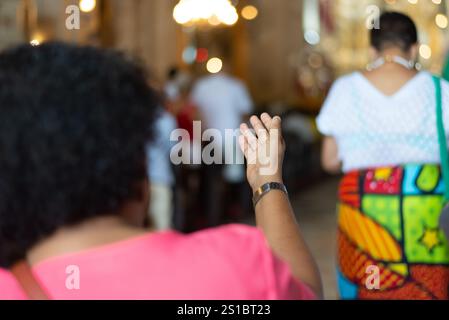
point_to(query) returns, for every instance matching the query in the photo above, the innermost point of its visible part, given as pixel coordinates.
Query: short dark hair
(74, 124)
(395, 29)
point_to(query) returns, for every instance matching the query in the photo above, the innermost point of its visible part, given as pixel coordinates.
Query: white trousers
(161, 206)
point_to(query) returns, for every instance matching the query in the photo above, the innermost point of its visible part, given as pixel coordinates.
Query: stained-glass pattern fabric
(389, 219)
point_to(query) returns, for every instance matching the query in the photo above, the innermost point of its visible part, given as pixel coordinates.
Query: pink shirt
(228, 263)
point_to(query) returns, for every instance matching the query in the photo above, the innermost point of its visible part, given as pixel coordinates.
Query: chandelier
(212, 12)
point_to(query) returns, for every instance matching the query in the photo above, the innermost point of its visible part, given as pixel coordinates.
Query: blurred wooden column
(240, 52)
(146, 28)
(275, 41)
(10, 32)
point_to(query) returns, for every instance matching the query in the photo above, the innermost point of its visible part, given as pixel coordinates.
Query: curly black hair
(396, 29)
(74, 123)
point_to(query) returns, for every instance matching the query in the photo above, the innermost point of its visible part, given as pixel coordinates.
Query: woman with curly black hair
(73, 130)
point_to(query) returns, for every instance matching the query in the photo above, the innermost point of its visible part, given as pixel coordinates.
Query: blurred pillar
(147, 29)
(275, 41)
(10, 30)
(241, 49)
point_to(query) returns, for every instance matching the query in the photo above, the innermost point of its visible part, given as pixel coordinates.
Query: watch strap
(266, 188)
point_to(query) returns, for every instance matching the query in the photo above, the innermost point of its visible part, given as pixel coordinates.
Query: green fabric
(444, 153)
(446, 70)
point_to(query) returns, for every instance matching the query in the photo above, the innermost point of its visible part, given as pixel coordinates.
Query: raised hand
(264, 150)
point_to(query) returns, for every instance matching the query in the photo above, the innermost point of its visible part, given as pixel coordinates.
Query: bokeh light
(441, 21)
(250, 12)
(214, 65)
(214, 12)
(425, 51)
(202, 54)
(189, 55)
(87, 5)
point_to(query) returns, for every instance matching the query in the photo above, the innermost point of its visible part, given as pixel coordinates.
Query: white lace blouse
(374, 130)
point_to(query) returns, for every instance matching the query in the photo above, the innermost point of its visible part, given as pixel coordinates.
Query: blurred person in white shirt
(224, 102)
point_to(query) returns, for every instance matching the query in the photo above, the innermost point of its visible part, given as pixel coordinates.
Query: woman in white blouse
(380, 130)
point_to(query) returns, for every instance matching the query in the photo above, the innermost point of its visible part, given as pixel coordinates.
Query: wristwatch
(266, 188)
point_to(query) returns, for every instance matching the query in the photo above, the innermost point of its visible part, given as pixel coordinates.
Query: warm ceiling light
(250, 12)
(214, 12)
(88, 5)
(228, 17)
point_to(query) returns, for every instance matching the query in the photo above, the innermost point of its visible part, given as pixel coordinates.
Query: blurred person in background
(188, 196)
(171, 89)
(74, 192)
(176, 79)
(380, 128)
(160, 172)
(224, 102)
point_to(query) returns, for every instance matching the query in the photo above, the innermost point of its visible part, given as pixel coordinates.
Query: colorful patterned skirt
(390, 245)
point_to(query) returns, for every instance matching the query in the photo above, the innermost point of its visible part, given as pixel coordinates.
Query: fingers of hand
(249, 153)
(243, 145)
(276, 129)
(261, 131)
(276, 123)
(249, 136)
(265, 128)
(271, 122)
(266, 119)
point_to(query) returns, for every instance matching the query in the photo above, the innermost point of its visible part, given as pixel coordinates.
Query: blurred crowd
(192, 196)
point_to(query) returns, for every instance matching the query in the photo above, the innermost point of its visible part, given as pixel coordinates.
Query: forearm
(274, 213)
(332, 166)
(329, 157)
(276, 218)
